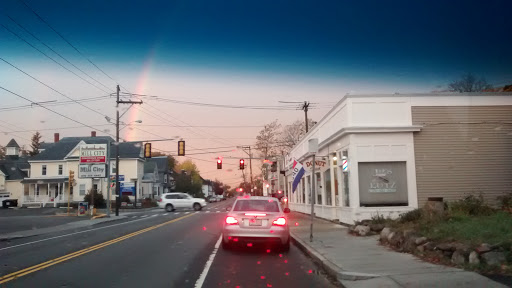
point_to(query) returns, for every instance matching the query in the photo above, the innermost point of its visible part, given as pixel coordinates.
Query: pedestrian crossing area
(163, 213)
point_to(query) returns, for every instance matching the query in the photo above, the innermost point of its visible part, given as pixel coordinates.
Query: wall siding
(463, 150)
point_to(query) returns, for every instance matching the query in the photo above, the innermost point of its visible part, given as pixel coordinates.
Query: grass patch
(473, 230)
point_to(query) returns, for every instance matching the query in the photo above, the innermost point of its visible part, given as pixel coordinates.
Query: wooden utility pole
(305, 108)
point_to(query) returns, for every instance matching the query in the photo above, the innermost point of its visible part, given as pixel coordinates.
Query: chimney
(93, 133)
(56, 137)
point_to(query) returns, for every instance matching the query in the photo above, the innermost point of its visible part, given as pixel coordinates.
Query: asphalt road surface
(153, 249)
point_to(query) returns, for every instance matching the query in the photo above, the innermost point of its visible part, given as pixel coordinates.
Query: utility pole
(118, 190)
(250, 162)
(305, 108)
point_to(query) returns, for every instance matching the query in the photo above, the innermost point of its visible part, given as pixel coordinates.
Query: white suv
(171, 201)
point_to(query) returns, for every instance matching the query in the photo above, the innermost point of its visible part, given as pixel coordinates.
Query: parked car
(254, 219)
(172, 201)
(212, 198)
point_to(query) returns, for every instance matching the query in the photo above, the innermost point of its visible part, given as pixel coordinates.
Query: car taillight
(160, 200)
(231, 220)
(281, 221)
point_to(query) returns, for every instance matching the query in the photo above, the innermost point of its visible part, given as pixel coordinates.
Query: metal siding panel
(463, 150)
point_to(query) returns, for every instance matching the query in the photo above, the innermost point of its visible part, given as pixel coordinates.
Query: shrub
(505, 201)
(126, 198)
(411, 216)
(471, 205)
(99, 201)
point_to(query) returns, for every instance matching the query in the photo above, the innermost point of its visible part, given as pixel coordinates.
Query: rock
(364, 222)
(409, 233)
(446, 247)
(384, 234)
(494, 258)
(420, 240)
(429, 246)
(376, 227)
(473, 258)
(362, 230)
(409, 245)
(396, 239)
(483, 248)
(458, 257)
(352, 229)
(421, 248)
(447, 253)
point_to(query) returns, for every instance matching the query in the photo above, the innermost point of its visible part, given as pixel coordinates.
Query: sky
(230, 52)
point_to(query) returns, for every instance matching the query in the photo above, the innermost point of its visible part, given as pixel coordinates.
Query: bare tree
(267, 139)
(292, 134)
(469, 83)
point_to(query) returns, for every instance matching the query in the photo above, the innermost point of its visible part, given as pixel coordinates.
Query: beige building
(12, 171)
(402, 150)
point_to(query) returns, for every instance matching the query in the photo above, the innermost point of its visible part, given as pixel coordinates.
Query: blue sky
(248, 52)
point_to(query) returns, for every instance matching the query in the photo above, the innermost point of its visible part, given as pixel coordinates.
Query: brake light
(231, 220)
(160, 200)
(285, 199)
(256, 214)
(281, 221)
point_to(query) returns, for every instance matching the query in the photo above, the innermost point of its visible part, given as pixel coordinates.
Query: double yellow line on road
(32, 269)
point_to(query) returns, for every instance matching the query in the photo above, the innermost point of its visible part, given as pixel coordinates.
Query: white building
(401, 151)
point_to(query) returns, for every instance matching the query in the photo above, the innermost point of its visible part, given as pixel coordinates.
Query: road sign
(113, 178)
(92, 170)
(93, 153)
(127, 188)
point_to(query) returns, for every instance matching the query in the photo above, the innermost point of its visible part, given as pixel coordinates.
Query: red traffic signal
(219, 163)
(242, 164)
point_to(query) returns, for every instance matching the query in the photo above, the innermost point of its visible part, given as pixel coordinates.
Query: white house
(402, 151)
(13, 169)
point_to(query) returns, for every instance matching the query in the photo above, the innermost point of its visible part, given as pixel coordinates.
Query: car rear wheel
(286, 246)
(197, 206)
(226, 245)
(169, 208)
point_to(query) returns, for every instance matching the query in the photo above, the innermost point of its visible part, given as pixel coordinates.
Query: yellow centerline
(32, 269)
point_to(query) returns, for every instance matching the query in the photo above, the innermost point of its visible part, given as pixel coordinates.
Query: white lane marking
(187, 212)
(155, 215)
(176, 213)
(74, 233)
(196, 212)
(144, 216)
(166, 214)
(207, 211)
(202, 277)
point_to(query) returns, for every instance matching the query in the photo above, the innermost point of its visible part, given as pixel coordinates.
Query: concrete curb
(331, 268)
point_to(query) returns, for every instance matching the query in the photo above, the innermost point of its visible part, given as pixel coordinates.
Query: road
(154, 249)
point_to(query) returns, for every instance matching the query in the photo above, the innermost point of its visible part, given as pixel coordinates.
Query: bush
(506, 201)
(411, 216)
(471, 205)
(99, 201)
(126, 198)
(148, 203)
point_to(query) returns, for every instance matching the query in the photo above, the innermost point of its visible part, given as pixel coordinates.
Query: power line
(56, 103)
(53, 111)
(58, 54)
(69, 43)
(14, 33)
(53, 89)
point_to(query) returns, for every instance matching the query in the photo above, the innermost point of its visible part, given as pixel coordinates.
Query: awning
(44, 181)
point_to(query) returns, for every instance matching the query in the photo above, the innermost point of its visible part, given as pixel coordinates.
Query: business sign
(93, 153)
(127, 188)
(113, 178)
(92, 171)
(308, 165)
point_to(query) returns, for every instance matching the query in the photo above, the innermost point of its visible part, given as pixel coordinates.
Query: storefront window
(303, 190)
(318, 191)
(308, 179)
(327, 185)
(336, 189)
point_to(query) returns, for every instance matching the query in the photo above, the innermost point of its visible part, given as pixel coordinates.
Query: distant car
(212, 198)
(255, 219)
(172, 201)
(221, 197)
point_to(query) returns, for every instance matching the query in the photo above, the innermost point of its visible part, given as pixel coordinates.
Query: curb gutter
(332, 269)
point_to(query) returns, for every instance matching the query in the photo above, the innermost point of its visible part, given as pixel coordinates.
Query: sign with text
(127, 188)
(93, 153)
(113, 178)
(92, 171)
(308, 165)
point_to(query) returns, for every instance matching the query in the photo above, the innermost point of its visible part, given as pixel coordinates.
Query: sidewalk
(362, 262)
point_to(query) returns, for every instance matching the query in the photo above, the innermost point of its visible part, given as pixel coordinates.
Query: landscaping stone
(408, 233)
(494, 258)
(384, 234)
(362, 230)
(483, 248)
(421, 248)
(376, 227)
(409, 245)
(446, 247)
(421, 240)
(447, 253)
(396, 239)
(429, 246)
(458, 257)
(474, 258)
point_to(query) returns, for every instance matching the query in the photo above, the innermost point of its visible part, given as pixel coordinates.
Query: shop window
(318, 191)
(327, 185)
(383, 184)
(336, 188)
(303, 190)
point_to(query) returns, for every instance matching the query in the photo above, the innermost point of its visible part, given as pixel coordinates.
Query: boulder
(362, 230)
(446, 247)
(494, 258)
(396, 239)
(409, 233)
(384, 234)
(474, 258)
(483, 248)
(447, 253)
(429, 246)
(420, 240)
(376, 227)
(409, 245)
(458, 257)
(421, 248)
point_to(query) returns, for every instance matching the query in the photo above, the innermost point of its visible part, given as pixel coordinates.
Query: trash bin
(9, 203)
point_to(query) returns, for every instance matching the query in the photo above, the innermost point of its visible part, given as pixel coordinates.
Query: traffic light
(273, 168)
(71, 177)
(241, 189)
(267, 185)
(242, 164)
(219, 163)
(181, 148)
(147, 150)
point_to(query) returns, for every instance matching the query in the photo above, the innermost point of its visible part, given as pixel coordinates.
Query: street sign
(93, 153)
(92, 170)
(113, 178)
(127, 188)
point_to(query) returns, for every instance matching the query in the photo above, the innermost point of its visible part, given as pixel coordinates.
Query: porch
(45, 192)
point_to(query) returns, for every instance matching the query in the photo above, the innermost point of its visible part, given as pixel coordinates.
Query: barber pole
(345, 165)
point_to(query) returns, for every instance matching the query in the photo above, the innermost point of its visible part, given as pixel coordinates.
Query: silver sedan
(254, 219)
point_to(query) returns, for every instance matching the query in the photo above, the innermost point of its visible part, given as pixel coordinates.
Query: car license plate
(254, 222)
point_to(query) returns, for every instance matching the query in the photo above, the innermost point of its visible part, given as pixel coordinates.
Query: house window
(113, 170)
(60, 169)
(165, 178)
(82, 189)
(95, 188)
(43, 172)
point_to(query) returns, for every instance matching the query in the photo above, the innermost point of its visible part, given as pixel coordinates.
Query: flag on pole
(298, 172)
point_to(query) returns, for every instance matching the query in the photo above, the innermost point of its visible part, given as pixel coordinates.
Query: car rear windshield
(256, 205)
